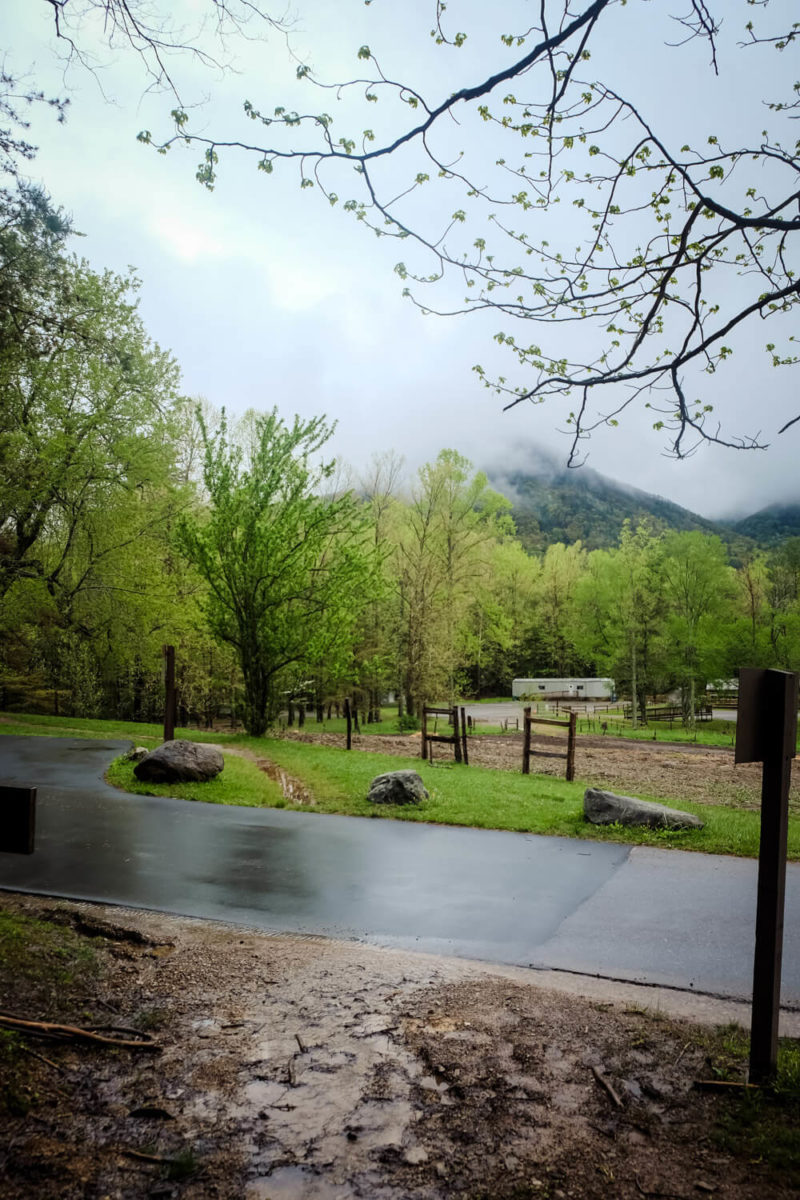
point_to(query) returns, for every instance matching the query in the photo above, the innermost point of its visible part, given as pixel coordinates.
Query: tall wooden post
(348, 716)
(526, 741)
(456, 734)
(464, 749)
(573, 723)
(169, 692)
(766, 732)
(424, 732)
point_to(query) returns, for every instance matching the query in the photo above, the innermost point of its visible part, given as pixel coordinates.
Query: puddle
(293, 789)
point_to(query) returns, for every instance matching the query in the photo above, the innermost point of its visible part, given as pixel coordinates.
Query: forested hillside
(771, 525)
(552, 504)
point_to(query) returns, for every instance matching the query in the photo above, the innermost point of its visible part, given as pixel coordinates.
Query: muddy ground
(700, 774)
(316, 1070)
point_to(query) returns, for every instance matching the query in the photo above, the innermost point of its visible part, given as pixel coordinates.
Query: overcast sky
(268, 295)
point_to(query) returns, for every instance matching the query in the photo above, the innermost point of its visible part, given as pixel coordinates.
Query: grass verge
(241, 782)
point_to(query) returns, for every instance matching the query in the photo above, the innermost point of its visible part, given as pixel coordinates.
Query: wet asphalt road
(656, 916)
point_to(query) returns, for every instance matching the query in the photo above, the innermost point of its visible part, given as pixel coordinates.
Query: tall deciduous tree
(288, 568)
(452, 523)
(620, 612)
(85, 423)
(562, 569)
(698, 586)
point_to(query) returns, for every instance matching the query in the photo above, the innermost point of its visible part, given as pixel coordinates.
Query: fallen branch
(67, 1033)
(724, 1085)
(150, 1158)
(683, 1051)
(601, 1079)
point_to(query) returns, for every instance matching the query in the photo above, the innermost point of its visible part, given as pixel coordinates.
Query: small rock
(397, 787)
(415, 1156)
(152, 1112)
(136, 754)
(606, 808)
(180, 762)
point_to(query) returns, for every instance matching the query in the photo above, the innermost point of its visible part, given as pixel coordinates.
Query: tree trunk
(256, 699)
(634, 688)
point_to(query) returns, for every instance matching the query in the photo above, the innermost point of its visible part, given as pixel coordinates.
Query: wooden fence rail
(457, 739)
(527, 750)
(669, 712)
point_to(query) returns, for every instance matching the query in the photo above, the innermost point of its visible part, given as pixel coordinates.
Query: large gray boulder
(606, 808)
(397, 787)
(180, 762)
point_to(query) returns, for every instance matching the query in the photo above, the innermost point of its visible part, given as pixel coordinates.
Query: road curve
(664, 917)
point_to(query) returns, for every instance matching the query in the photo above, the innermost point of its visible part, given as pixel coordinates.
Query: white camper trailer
(563, 689)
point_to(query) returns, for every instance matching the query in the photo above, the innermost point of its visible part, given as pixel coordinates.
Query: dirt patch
(699, 774)
(310, 1069)
(294, 790)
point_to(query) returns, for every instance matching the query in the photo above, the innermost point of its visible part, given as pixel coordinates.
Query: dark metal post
(424, 732)
(169, 689)
(767, 733)
(348, 716)
(526, 741)
(18, 828)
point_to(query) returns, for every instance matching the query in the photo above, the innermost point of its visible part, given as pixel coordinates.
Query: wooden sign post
(766, 732)
(169, 690)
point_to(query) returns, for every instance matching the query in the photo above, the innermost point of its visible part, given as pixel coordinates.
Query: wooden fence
(668, 712)
(527, 750)
(457, 739)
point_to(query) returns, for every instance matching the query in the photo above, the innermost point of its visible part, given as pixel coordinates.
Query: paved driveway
(657, 916)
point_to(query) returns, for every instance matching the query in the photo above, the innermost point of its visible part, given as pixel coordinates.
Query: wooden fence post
(424, 732)
(766, 732)
(573, 722)
(456, 734)
(348, 716)
(526, 741)
(464, 749)
(169, 690)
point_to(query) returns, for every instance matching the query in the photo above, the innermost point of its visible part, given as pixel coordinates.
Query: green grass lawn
(142, 733)
(488, 799)
(476, 796)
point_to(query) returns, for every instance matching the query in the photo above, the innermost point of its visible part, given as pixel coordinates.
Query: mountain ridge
(551, 503)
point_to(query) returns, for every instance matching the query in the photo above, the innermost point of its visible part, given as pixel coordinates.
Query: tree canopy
(670, 248)
(287, 567)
